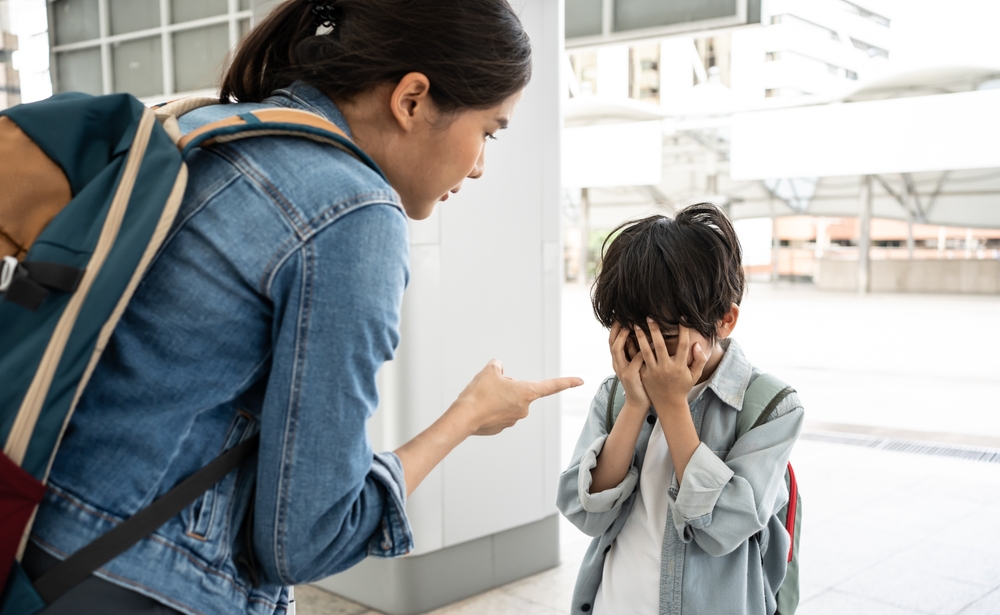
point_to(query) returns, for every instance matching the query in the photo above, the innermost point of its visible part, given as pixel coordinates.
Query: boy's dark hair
(475, 53)
(687, 270)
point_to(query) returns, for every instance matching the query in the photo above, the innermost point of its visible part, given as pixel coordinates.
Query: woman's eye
(490, 136)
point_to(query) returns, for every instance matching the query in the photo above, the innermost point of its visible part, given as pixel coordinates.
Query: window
(149, 48)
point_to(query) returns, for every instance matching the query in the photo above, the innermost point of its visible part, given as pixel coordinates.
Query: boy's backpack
(759, 402)
(89, 188)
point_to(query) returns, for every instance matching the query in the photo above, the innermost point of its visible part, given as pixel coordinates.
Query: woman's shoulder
(312, 182)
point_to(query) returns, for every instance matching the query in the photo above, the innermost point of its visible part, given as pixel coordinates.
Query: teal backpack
(762, 397)
(89, 188)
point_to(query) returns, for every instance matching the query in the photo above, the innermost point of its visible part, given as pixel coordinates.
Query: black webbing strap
(769, 409)
(33, 281)
(67, 574)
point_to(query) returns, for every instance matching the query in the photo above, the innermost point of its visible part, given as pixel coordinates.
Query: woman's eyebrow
(502, 121)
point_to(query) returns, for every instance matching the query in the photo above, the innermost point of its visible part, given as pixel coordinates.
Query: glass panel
(187, 10)
(199, 56)
(635, 14)
(79, 71)
(133, 15)
(244, 5)
(138, 66)
(75, 21)
(244, 27)
(583, 17)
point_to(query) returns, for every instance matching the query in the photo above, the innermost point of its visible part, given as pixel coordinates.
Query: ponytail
(475, 53)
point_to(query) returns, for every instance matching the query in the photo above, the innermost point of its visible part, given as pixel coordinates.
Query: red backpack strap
(793, 499)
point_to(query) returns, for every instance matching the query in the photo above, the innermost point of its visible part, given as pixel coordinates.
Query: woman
(271, 307)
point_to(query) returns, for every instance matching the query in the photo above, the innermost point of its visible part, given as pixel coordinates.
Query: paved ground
(885, 532)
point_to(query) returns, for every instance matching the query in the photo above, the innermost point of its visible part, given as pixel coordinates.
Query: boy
(682, 513)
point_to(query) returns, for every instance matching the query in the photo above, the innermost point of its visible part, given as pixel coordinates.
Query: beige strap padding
(181, 106)
(33, 190)
(285, 116)
(24, 425)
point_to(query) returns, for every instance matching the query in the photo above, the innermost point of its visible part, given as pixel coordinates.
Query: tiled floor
(884, 533)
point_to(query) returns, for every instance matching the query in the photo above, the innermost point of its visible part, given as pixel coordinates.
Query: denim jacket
(724, 549)
(270, 308)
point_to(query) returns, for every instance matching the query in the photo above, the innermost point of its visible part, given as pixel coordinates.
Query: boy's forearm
(678, 428)
(616, 457)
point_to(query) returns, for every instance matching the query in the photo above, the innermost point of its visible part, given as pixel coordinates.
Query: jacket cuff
(704, 478)
(393, 538)
(609, 498)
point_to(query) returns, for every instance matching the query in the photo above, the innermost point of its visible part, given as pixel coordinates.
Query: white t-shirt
(630, 583)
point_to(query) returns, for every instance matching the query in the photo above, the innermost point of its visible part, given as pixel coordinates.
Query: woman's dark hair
(475, 53)
(687, 271)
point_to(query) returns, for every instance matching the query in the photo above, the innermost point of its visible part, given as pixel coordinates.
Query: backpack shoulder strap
(616, 400)
(761, 398)
(274, 122)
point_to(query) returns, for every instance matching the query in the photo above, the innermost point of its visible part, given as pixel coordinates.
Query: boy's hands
(668, 379)
(626, 370)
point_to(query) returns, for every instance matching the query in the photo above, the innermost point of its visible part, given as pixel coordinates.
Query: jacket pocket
(201, 519)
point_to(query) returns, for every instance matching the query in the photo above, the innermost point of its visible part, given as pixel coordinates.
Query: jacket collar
(732, 376)
(301, 95)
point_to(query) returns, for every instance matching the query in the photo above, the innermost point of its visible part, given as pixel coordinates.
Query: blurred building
(150, 48)
(10, 85)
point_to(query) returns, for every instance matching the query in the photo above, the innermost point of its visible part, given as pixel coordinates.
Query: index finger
(544, 388)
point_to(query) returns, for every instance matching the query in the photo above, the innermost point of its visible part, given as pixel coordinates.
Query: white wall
(485, 279)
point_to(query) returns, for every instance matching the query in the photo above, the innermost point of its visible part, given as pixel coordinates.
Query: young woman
(272, 305)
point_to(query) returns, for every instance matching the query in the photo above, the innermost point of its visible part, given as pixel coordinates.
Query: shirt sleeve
(721, 503)
(324, 500)
(592, 513)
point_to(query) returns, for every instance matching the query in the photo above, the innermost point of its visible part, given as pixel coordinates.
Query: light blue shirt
(724, 550)
(271, 306)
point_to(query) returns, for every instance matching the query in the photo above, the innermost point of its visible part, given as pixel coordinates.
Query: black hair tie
(324, 13)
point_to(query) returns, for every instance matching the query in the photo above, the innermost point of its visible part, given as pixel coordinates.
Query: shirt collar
(731, 378)
(301, 95)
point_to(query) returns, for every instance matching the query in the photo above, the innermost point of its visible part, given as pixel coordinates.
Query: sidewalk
(884, 532)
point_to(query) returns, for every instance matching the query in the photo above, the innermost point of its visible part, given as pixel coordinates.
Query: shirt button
(650, 419)
(585, 608)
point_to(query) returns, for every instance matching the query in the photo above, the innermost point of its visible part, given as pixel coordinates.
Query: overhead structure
(599, 22)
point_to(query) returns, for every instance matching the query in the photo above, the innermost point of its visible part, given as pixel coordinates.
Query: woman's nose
(477, 171)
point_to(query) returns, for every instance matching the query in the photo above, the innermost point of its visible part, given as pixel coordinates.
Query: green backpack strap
(616, 400)
(761, 398)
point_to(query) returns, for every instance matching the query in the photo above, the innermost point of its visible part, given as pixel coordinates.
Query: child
(682, 513)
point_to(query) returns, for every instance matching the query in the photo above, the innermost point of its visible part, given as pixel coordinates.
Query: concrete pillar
(584, 235)
(864, 235)
(909, 238)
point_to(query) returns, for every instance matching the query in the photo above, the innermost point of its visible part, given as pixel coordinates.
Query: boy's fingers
(615, 330)
(683, 342)
(658, 344)
(544, 388)
(647, 352)
(698, 365)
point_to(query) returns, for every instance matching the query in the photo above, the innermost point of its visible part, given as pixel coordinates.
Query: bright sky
(934, 33)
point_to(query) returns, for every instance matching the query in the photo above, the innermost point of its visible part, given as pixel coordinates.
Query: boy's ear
(728, 322)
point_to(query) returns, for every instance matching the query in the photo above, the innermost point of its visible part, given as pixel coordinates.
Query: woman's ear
(410, 100)
(728, 322)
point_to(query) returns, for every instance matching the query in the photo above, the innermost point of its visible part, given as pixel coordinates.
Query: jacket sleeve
(324, 501)
(592, 513)
(721, 504)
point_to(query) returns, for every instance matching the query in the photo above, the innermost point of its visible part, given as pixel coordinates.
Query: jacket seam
(247, 170)
(291, 419)
(345, 208)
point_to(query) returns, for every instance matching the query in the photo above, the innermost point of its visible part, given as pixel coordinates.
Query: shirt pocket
(201, 519)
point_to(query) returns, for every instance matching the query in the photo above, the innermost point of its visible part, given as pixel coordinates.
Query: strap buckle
(7, 272)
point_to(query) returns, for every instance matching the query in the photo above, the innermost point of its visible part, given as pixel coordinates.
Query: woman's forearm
(616, 457)
(428, 448)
